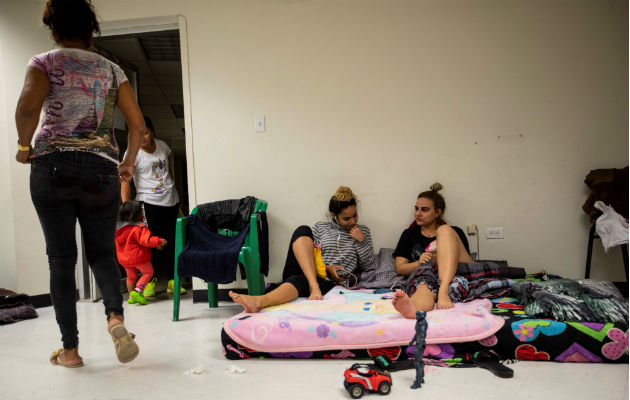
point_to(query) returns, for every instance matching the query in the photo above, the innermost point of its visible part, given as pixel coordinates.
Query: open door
(152, 53)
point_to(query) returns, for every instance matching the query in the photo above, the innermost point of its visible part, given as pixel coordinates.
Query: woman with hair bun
(75, 172)
(431, 241)
(346, 248)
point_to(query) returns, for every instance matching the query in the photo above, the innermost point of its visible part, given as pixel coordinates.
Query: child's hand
(164, 242)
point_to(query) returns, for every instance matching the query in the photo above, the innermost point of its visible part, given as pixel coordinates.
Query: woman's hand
(331, 270)
(125, 171)
(357, 234)
(424, 257)
(23, 157)
(316, 294)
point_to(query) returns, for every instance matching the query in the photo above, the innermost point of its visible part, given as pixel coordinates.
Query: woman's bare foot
(402, 303)
(251, 304)
(444, 301)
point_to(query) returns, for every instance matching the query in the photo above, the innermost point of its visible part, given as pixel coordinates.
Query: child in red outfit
(133, 243)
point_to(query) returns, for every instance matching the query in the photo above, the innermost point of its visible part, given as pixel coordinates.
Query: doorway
(150, 53)
(152, 61)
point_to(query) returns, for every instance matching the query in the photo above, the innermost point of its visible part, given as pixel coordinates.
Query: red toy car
(362, 377)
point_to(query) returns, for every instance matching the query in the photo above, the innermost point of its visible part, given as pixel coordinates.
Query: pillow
(383, 275)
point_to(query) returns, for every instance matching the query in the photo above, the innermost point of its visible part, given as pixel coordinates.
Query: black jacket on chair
(208, 255)
(227, 214)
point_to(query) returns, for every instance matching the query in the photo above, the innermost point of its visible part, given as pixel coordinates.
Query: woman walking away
(74, 165)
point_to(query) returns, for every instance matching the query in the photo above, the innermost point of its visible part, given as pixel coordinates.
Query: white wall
(22, 250)
(507, 104)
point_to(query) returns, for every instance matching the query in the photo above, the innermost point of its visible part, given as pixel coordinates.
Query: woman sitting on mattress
(416, 254)
(346, 247)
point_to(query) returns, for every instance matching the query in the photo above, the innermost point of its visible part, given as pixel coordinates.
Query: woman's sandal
(126, 347)
(58, 358)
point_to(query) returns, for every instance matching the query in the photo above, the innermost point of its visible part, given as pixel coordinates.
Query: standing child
(133, 243)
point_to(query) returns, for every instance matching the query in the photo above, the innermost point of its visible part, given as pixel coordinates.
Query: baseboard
(201, 295)
(43, 300)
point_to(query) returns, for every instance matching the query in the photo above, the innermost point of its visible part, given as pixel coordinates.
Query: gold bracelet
(23, 148)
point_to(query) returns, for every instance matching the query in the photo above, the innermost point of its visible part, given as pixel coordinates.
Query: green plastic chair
(249, 256)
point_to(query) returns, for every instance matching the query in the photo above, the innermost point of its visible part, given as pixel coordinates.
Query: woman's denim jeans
(66, 186)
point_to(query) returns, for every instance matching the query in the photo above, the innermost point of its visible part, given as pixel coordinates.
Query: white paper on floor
(233, 369)
(195, 371)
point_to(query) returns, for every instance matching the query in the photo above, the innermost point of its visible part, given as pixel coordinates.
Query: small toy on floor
(419, 341)
(366, 377)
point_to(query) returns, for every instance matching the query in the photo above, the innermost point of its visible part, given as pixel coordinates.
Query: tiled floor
(170, 350)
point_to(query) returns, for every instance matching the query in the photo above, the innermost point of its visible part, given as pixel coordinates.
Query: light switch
(259, 123)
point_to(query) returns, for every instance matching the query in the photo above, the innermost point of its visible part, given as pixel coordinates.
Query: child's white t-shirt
(152, 177)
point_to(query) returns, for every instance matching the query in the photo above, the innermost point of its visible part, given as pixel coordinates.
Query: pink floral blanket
(354, 319)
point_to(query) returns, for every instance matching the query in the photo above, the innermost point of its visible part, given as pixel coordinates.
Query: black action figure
(419, 341)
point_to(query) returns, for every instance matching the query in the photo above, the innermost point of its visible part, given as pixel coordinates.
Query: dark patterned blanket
(573, 300)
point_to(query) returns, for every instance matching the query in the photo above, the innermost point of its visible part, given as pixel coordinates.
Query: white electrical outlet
(494, 233)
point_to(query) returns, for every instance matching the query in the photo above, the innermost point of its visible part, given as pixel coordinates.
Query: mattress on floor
(520, 337)
(354, 319)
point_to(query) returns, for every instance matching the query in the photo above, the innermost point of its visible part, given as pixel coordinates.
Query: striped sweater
(339, 248)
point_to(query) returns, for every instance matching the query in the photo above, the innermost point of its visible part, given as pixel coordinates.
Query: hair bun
(344, 193)
(436, 187)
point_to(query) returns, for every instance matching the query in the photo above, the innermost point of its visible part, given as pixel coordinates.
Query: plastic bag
(611, 227)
